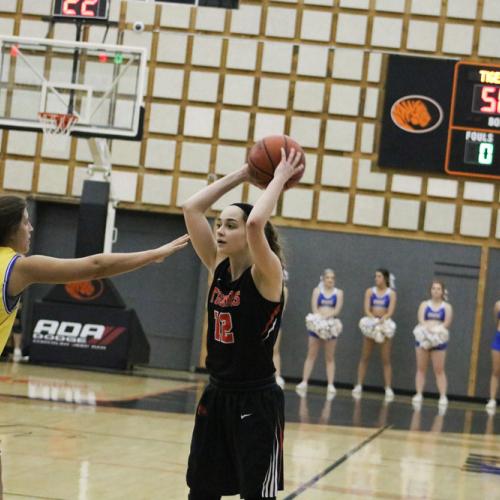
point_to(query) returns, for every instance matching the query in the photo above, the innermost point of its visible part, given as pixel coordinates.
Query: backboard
(103, 85)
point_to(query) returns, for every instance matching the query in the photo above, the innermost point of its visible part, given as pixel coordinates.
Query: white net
(57, 123)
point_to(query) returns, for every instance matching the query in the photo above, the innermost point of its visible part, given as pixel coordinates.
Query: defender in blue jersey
(495, 361)
(237, 443)
(434, 319)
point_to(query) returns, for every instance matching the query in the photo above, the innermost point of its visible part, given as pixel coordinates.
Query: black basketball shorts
(237, 443)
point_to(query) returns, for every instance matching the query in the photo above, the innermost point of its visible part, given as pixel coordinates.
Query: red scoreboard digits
(81, 9)
(486, 99)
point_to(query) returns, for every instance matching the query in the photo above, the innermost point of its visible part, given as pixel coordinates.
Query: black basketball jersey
(242, 328)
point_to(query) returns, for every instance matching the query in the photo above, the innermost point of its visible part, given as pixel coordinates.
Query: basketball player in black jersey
(237, 443)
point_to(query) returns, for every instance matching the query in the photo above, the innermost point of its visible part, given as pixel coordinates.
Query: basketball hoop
(57, 123)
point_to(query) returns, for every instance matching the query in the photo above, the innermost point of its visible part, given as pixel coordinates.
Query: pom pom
(428, 338)
(376, 329)
(324, 328)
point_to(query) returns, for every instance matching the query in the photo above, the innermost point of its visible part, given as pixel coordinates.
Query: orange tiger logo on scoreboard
(416, 114)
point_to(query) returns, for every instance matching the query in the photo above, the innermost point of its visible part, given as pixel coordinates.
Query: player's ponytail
(11, 215)
(273, 239)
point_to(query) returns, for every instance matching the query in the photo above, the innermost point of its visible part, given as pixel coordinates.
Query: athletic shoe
(331, 389)
(491, 404)
(302, 387)
(443, 401)
(18, 355)
(417, 399)
(357, 391)
(280, 381)
(442, 410)
(389, 394)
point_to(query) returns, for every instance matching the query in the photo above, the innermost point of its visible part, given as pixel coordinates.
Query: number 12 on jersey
(223, 327)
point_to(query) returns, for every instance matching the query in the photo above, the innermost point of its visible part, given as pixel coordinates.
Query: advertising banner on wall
(87, 324)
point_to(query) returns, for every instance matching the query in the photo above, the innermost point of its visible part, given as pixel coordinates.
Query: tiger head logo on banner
(416, 114)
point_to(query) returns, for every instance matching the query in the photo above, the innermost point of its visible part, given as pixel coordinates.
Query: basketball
(265, 156)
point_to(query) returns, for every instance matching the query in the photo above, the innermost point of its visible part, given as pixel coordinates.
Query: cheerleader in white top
(378, 328)
(323, 327)
(431, 340)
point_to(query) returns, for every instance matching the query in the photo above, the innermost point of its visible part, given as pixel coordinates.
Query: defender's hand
(172, 247)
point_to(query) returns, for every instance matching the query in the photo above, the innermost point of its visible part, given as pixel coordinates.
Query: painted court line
(20, 495)
(335, 464)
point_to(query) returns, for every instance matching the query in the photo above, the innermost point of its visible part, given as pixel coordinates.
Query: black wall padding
(92, 218)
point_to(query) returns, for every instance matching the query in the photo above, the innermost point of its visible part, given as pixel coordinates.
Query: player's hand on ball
(251, 177)
(172, 247)
(289, 166)
(247, 173)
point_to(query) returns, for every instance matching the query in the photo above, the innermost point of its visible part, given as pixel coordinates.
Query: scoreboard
(473, 147)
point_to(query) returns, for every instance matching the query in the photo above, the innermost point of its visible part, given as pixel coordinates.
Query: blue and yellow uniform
(9, 305)
(496, 341)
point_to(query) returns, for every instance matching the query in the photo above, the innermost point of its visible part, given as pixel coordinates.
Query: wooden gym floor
(71, 434)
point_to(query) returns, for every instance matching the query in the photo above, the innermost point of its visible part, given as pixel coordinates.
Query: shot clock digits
(81, 9)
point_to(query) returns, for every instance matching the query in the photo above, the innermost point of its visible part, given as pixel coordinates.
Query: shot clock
(474, 132)
(81, 9)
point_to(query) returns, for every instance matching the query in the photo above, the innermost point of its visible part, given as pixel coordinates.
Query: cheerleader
(324, 328)
(431, 334)
(495, 361)
(378, 327)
